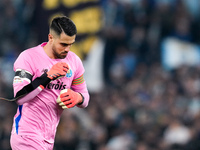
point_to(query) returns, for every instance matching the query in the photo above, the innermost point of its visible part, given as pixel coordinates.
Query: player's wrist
(81, 99)
(44, 79)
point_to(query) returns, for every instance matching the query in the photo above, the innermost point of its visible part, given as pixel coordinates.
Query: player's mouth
(65, 53)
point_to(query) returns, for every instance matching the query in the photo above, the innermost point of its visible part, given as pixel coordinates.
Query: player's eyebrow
(65, 44)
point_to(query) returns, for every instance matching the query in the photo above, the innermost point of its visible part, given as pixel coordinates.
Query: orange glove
(58, 70)
(69, 98)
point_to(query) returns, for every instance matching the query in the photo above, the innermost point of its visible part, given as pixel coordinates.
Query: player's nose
(67, 48)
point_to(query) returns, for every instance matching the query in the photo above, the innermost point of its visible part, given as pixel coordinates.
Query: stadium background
(142, 62)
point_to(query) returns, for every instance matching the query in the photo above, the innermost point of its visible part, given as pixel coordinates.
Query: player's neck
(47, 50)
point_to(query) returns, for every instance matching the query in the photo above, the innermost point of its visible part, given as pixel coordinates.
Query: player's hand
(58, 70)
(69, 98)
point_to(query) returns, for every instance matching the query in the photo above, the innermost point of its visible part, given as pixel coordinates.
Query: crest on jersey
(69, 73)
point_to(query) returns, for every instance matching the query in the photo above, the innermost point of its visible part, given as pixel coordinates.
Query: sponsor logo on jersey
(17, 80)
(58, 86)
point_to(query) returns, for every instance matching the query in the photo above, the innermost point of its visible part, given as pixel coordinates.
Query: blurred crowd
(142, 106)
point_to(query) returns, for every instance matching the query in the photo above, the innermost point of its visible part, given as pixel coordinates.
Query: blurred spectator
(176, 134)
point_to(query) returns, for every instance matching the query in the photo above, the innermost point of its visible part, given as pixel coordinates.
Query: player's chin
(62, 56)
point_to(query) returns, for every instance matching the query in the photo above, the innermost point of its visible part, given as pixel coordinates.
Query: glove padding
(69, 98)
(58, 70)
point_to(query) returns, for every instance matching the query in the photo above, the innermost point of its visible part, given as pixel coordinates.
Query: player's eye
(64, 44)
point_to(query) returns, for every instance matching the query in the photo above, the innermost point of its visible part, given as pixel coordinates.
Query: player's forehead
(64, 38)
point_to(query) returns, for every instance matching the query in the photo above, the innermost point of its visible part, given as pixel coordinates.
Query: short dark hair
(60, 24)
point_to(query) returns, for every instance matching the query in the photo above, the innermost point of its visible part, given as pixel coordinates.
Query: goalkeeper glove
(57, 71)
(69, 98)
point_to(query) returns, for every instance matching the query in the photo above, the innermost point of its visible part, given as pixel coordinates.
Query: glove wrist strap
(82, 99)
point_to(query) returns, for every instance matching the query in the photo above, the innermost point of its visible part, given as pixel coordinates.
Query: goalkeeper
(41, 74)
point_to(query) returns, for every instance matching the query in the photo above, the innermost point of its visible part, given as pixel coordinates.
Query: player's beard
(57, 55)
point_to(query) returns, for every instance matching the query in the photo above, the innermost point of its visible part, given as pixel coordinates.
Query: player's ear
(50, 37)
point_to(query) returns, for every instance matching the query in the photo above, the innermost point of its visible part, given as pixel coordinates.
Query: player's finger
(66, 69)
(70, 105)
(63, 95)
(64, 107)
(67, 102)
(64, 99)
(61, 104)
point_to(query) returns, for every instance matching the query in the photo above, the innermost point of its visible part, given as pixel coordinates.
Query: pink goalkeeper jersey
(40, 115)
